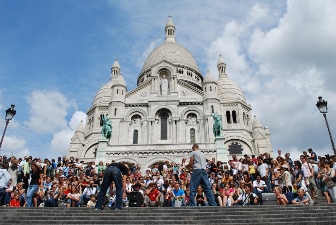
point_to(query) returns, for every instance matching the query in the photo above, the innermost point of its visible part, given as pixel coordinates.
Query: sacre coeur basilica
(171, 108)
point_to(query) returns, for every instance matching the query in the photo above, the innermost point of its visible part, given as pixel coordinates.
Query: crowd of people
(32, 182)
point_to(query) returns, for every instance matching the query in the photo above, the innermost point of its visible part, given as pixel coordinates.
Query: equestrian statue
(106, 125)
(217, 126)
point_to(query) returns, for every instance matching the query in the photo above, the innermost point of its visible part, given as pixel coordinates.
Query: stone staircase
(272, 214)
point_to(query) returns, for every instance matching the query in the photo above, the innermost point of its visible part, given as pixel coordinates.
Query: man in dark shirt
(313, 156)
(114, 173)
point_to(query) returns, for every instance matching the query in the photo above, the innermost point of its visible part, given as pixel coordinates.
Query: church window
(192, 136)
(117, 91)
(215, 89)
(115, 111)
(164, 126)
(228, 117)
(135, 136)
(122, 92)
(234, 116)
(210, 88)
(212, 109)
(136, 118)
(235, 148)
(244, 117)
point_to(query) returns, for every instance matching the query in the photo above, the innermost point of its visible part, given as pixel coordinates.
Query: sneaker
(98, 209)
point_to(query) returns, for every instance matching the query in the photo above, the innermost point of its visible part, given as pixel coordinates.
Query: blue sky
(55, 55)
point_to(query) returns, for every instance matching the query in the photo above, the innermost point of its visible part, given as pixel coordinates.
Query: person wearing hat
(287, 182)
(118, 173)
(35, 182)
(286, 179)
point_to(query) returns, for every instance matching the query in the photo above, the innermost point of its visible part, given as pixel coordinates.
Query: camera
(327, 157)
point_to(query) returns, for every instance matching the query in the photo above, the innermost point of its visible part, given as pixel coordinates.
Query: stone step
(306, 214)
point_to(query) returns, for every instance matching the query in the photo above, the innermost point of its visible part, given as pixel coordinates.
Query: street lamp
(10, 113)
(322, 106)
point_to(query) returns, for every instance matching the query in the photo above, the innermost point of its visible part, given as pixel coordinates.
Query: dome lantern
(170, 31)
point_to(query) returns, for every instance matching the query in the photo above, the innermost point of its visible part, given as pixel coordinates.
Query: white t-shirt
(306, 170)
(258, 184)
(263, 169)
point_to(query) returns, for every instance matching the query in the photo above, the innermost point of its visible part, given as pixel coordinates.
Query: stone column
(101, 150)
(221, 150)
(149, 130)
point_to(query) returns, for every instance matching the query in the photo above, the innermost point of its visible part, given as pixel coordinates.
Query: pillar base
(221, 150)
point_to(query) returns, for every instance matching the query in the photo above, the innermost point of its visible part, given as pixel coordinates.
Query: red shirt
(152, 195)
(14, 203)
(183, 176)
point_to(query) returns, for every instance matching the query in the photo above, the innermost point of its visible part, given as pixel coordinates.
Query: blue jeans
(32, 189)
(111, 174)
(2, 195)
(200, 177)
(50, 202)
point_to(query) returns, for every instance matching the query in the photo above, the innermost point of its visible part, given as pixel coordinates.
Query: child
(92, 202)
(15, 202)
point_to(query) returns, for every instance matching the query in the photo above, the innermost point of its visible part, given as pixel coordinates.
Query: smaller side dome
(118, 81)
(103, 96)
(80, 127)
(208, 77)
(256, 123)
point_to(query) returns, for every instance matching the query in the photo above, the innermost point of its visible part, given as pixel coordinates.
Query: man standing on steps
(114, 172)
(199, 176)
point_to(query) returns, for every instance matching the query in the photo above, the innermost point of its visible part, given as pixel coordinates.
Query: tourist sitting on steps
(152, 196)
(247, 197)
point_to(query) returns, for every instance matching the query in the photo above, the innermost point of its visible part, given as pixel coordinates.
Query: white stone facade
(168, 111)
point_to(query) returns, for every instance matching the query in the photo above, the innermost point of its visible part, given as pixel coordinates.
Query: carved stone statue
(164, 85)
(106, 127)
(217, 126)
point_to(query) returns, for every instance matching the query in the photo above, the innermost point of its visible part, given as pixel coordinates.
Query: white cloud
(283, 68)
(60, 142)
(48, 110)
(77, 117)
(13, 145)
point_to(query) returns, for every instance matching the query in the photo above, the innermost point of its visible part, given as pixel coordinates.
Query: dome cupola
(115, 69)
(170, 31)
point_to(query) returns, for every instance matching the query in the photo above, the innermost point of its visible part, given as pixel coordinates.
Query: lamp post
(10, 113)
(322, 106)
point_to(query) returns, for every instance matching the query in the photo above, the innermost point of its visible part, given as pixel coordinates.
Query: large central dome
(171, 52)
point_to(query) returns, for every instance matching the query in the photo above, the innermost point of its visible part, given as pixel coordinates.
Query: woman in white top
(286, 179)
